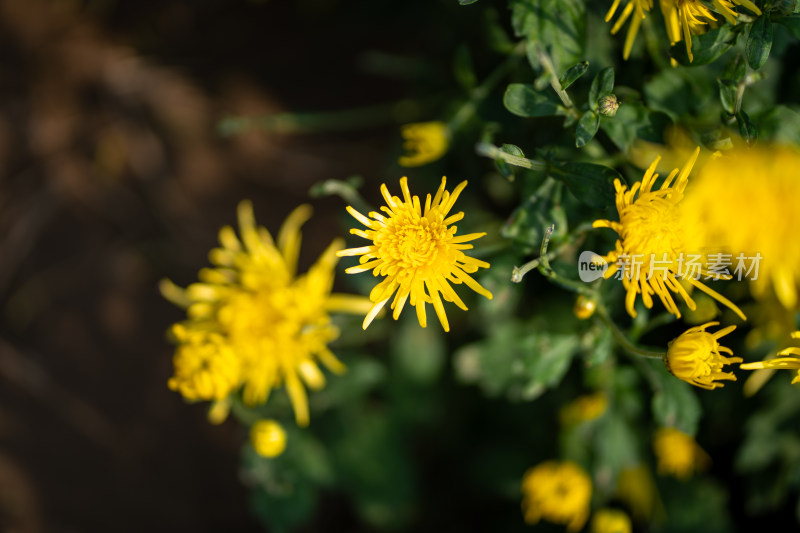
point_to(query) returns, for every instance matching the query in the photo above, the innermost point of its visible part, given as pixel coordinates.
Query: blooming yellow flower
(425, 142)
(743, 204)
(651, 251)
(584, 408)
(268, 438)
(685, 18)
(678, 454)
(559, 492)
(788, 358)
(694, 356)
(638, 8)
(417, 252)
(253, 323)
(611, 521)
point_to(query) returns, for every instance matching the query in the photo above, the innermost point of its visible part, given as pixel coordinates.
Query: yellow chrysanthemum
(584, 408)
(788, 359)
(611, 521)
(678, 454)
(424, 142)
(253, 323)
(744, 205)
(685, 18)
(638, 8)
(560, 492)
(694, 356)
(651, 250)
(268, 438)
(417, 252)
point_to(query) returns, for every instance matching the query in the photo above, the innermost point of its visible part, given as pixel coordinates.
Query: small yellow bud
(268, 438)
(584, 307)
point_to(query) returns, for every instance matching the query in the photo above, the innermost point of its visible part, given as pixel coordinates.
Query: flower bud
(584, 307)
(268, 438)
(608, 105)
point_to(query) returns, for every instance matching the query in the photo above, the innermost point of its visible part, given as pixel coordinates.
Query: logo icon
(591, 266)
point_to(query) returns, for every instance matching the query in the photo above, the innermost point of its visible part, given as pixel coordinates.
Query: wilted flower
(638, 8)
(677, 453)
(425, 142)
(651, 250)
(417, 252)
(268, 438)
(559, 492)
(253, 322)
(610, 521)
(695, 357)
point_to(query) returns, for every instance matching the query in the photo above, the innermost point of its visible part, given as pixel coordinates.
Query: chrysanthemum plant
(588, 269)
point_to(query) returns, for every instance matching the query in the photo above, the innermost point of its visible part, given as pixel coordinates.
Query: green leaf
(546, 358)
(557, 25)
(727, 95)
(706, 47)
(781, 124)
(587, 128)
(590, 183)
(792, 24)
(616, 444)
(602, 85)
(676, 404)
(735, 70)
(466, 2)
(573, 73)
(527, 223)
(759, 42)
(513, 150)
(747, 129)
(524, 101)
(634, 121)
(506, 170)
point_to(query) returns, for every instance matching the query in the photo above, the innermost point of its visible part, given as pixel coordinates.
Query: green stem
(493, 152)
(623, 341)
(344, 190)
(555, 83)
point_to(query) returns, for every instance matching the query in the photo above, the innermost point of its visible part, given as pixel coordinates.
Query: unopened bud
(608, 105)
(584, 307)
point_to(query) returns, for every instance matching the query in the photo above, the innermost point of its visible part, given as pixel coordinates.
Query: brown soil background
(112, 177)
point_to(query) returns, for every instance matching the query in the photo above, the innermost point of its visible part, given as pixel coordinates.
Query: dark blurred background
(113, 175)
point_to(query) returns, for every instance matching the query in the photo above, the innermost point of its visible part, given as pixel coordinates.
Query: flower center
(415, 241)
(650, 229)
